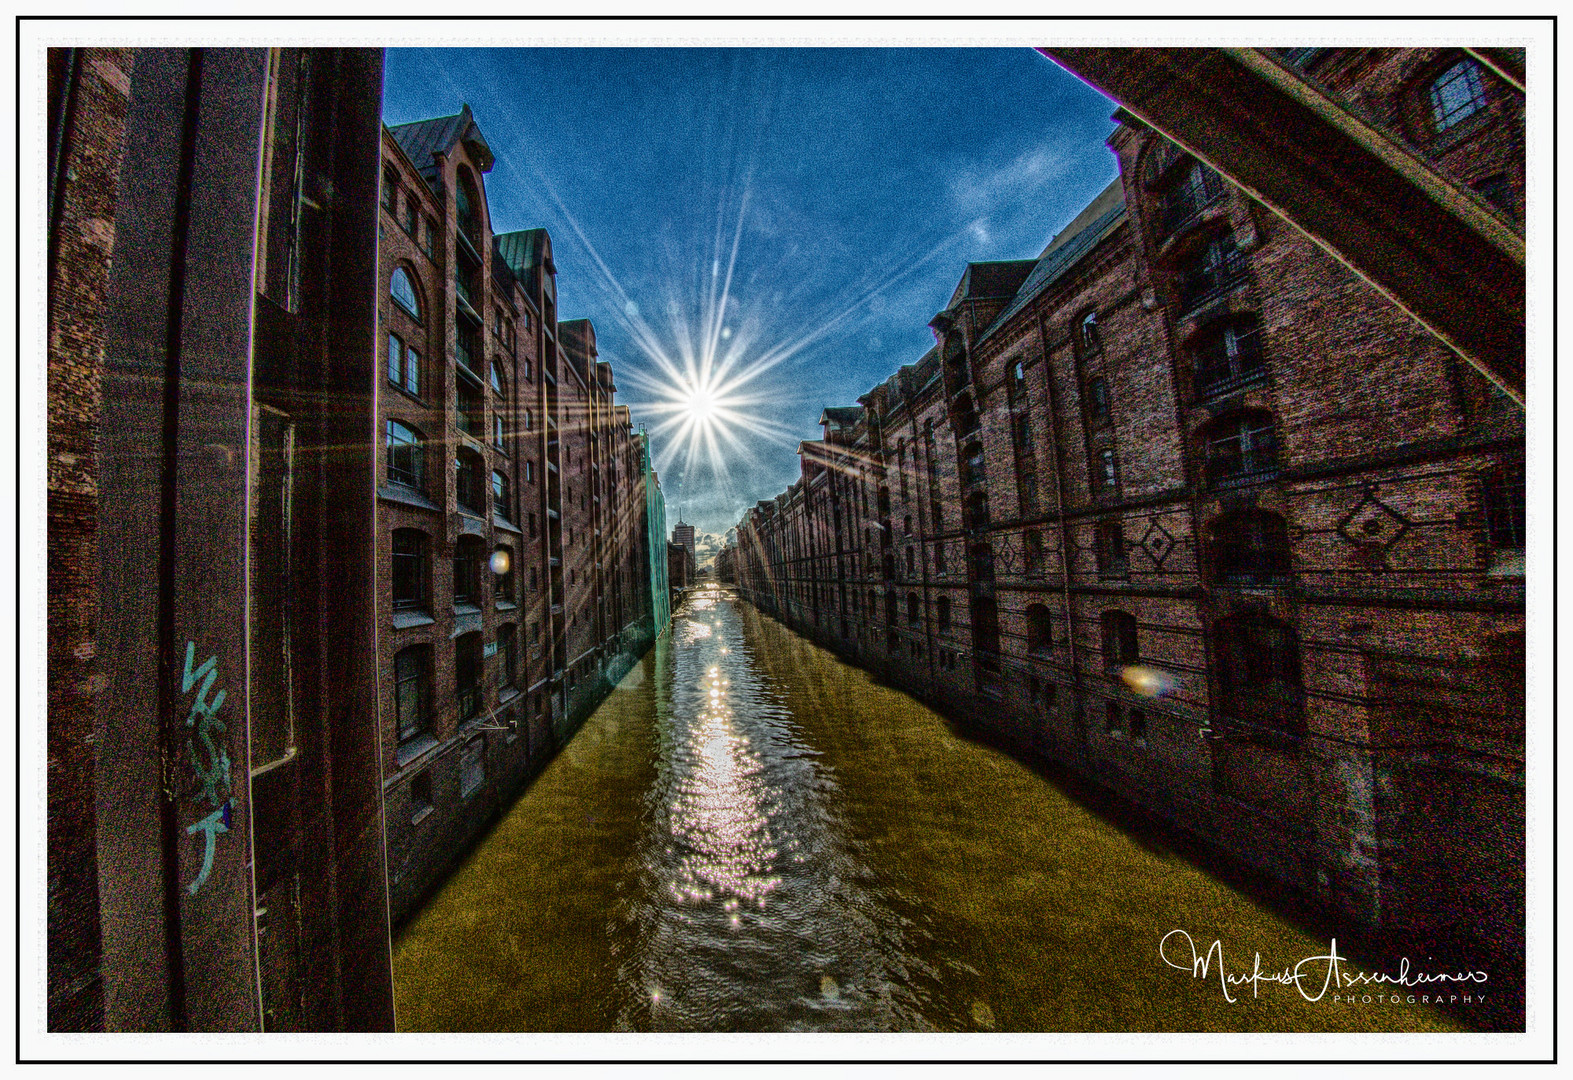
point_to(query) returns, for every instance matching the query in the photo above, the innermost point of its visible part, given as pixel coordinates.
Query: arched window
(1189, 189)
(1249, 548)
(502, 575)
(409, 570)
(467, 675)
(1456, 94)
(499, 380)
(1214, 269)
(406, 456)
(466, 204)
(1087, 334)
(1240, 448)
(467, 557)
(1039, 636)
(942, 612)
(468, 480)
(1228, 355)
(1259, 672)
(402, 289)
(1119, 639)
(501, 501)
(412, 692)
(507, 656)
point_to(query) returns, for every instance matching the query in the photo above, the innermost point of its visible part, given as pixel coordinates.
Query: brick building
(1189, 506)
(511, 506)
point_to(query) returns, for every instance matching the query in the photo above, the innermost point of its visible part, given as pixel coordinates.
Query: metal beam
(1433, 248)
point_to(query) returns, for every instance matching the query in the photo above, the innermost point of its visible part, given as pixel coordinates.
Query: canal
(750, 835)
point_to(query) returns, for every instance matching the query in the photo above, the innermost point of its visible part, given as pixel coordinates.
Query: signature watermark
(1323, 976)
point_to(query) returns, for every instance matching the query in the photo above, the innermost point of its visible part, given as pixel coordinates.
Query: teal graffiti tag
(211, 764)
(215, 823)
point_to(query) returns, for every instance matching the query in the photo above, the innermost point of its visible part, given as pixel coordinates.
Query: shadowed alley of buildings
(750, 835)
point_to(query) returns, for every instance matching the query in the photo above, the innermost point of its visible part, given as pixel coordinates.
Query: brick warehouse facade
(1186, 505)
(511, 507)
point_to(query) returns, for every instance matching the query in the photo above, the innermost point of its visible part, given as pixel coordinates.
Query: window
(420, 796)
(467, 570)
(1138, 725)
(1503, 491)
(1021, 428)
(412, 692)
(502, 575)
(529, 473)
(1249, 548)
(500, 496)
(466, 206)
(403, 292)
(1240, 448)
(499, 380)
(1193, 187)
(532, 522)
(497, 436)
(1018, 385)
(529, 420)
(411, 220)
(1108, 477)
(977, 510)
(906, 525)
(1456, 94)
(936, 517)
(467, 474)
(467, 350)
(469, 408)
(1212, 271)
(390, 189)
(1111, 718)
(406, 456)
(910, 566)
(409, 570)
(467, 675)
(472, 765)
(1027, 492)
(942, 613)
(429, 238)
(1119, 639)
(1228, 355)
(404, 365)
(1087, 334)
(1039, 635)
(982, 562)
(1098, 398)
(1259, 672)
(508, 656)
(1110, 549)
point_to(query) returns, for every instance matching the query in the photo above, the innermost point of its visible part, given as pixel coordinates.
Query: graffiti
(206, 748)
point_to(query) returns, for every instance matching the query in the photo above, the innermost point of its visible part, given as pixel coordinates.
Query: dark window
(1193, 187)
(412, 691)
(910, 568)
(1098, 398)
(1503, 489)
(467, 675)
(467, 474)
(403, 292)
(420, 795)
(469, 408)
(890, 608)
(1119, 639)
(1111, 718)
(429, 238)
(942, 612)
(466, 207)
(983, 562)
(500, 496)
(912, 608)
(1456, 94)
(411, 221)
(1213, 270)
(1259, 672)
(1250, 548)
(1087, 334)
(1228, 355)
(1138, 725)
(1039, 630)
(1018, 385)
(972, 471)
(406, 456)
(906, 525)
(467, 350)
(977, 510)
(390, 190)
(472, 765)
(1027, 490)
(1111, 549)
(409, 569)
(467, 570)
(502, 574)
(939, 558)
(507, 656)
(1032, 553)
(1021, 428)
(1240, 448)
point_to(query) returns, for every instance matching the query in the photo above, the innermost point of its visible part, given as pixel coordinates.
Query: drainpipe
(923, 555)
(1059, 495)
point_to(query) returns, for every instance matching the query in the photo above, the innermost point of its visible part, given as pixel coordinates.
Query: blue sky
(793, 217)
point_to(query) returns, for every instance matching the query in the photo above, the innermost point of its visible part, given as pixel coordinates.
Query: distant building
(683, 537)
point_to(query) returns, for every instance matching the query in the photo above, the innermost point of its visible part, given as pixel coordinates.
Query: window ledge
(505, 605)
(408, 620)
(421, 815)
(414, 749)
(507, 694)
(405, 497)
(506, 525)
(1506, 563)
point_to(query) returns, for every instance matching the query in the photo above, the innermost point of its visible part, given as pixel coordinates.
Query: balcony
(1223, 271)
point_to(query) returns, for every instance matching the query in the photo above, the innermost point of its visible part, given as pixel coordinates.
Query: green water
(751, 835)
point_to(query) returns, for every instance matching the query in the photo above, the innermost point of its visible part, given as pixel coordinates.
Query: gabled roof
(420, 139)
(1063, 253)
(991, 280)
(841, 417)
(524, 250)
